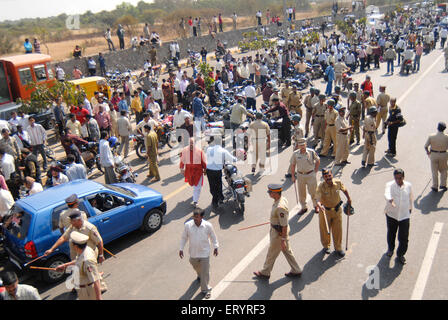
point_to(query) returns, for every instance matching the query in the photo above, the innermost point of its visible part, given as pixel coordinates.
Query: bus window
(25, 76)
(39, 71)
(4, 89)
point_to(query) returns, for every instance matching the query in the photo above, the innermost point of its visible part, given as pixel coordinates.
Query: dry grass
(62, 50)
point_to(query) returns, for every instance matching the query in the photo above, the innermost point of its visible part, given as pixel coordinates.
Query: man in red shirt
(200, 81)
(220, 22)
(80, 113)
(367, 85)
(115, 100)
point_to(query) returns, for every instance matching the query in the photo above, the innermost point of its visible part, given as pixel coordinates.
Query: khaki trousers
(275, 247)
(202, 268)
(338, 79)
(304, 181)
(258, 152)
(318, 127)
(86, 293)
(153, 167)
(335, 224)
(330, 137)
(342, 150)
(369, 148)
(355, 123)
(309, 112)
(381, 116)
(439, 164)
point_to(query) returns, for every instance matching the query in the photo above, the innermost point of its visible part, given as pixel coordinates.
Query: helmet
(348, 209)
(270, 84)
(296, 117)
(372, 109)
(113, 141)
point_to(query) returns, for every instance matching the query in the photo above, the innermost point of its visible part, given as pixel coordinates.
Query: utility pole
(285, 15)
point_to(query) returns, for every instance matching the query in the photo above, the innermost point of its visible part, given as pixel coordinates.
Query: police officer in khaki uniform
(354, 108)
(297, 134)
(318, 119)
(310, 100)
(330, 214)
(294, 102)
(279, 235)
(330, 129)
(64, 217)
(260, 136)
(95, 241)
(342, 144)
(382, 100)
(285, 92)
(307, 162)
(368, 133)
(89, 286)
(367, 102)
(438, 156)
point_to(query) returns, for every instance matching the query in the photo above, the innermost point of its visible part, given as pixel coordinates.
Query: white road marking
(420, 285)
(242, 265)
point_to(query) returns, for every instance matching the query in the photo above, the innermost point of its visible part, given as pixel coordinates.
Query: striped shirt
(37, 134)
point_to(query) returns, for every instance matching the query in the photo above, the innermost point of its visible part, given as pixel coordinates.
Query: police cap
(352, 94)
(71, 199)
(76, 214)
(295, 117)
(331, 102)
(79, 238)
(301, 141)
(322, 96)
(372, 109)
(274, 187)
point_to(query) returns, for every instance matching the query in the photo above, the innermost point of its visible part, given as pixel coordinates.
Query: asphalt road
(148, 266)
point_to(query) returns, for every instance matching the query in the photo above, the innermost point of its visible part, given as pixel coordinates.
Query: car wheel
(153, 220)
(50, 276)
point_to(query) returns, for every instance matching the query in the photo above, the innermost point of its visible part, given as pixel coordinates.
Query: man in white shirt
(6, 202)
(398, 209)
(107, 159)
(154, 109)
(33, 186)
(198, 232)
(16, 291)
(251, 96)
(146, 121)
(38, 137)
(14, 121)
(75, 170)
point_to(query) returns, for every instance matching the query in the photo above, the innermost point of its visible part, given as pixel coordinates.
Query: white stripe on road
(242, 265)
(420, 285)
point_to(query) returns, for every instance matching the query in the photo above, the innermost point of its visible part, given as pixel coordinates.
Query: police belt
(85, 285)
(335, 208)
(277, 227)
(318, 115)
(438, 151)
(343, 133)
(331, 125)
(305, 172)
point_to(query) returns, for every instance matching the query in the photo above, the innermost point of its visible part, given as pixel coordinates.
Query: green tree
(130, 23)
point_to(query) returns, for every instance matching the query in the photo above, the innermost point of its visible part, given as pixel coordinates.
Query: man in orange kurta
(193, 165)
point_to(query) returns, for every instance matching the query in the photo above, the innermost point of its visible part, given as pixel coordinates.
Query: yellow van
(92, 84)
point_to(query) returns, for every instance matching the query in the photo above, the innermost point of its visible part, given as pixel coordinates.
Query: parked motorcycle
(238, 187)
(91, 157)
(124, 171)
(193, 57)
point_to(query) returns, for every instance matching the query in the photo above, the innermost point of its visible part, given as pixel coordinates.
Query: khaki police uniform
(382, 100)
(64, 223)
(294, 102)
(439, 157)
(369, 140)
(339, 68)
(297, 133)
(278, 219)
(88, 274)
(274, 95)
(330, 131)
(355, 116)
(319, 121)
(306, 176)
(342, 144)
(258, 132)
(284, 93)
(329, 197)
(367, 103)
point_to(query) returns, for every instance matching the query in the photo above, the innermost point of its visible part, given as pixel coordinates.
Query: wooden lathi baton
(109, 253)
(42, 268)
(257, 225)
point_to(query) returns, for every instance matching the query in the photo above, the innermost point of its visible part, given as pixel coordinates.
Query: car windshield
(120, 190)
(5, 95)
(18, 222)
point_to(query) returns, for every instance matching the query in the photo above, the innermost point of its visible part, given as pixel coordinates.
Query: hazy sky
(17, 9)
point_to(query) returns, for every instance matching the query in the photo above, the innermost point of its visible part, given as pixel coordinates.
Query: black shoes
(389, 253)
(326, 250)
(302, 211)
(340, 253)
(435, 189)
(443, 188)
(402, 260)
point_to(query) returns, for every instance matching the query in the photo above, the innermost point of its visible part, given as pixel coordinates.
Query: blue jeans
(417, 62)
(390, 66)
(329, 88)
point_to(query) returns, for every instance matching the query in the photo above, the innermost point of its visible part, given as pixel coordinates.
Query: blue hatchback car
(115, 210)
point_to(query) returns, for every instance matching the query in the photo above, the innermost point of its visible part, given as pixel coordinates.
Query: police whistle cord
(109, 253)
(257, 225)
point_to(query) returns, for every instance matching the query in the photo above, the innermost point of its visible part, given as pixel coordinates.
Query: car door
(114, 214)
